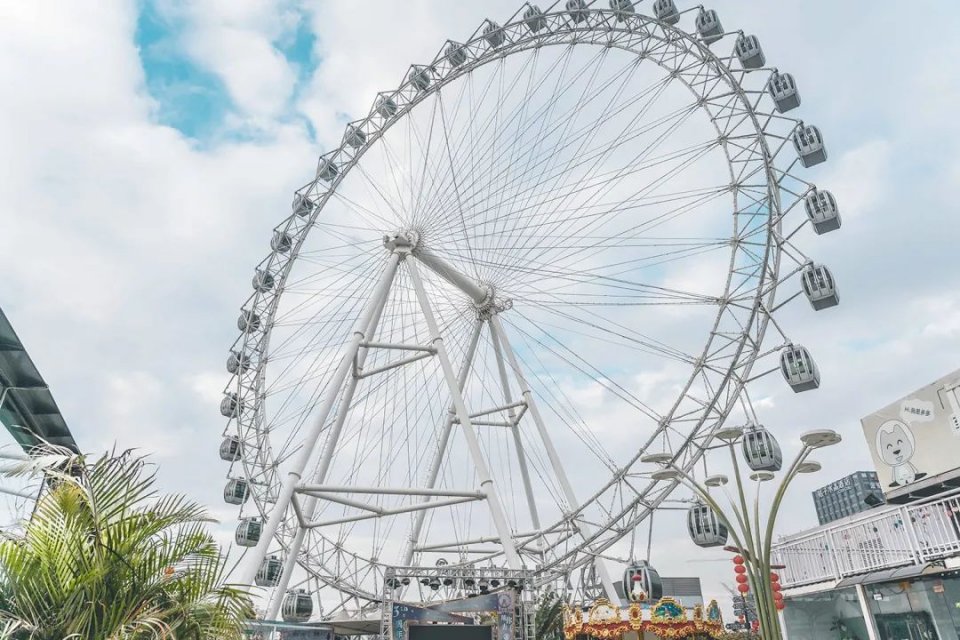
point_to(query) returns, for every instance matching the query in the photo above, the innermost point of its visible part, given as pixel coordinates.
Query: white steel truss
(403, 249)
(290, 479)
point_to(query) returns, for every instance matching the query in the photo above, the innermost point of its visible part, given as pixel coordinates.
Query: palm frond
(105, 556)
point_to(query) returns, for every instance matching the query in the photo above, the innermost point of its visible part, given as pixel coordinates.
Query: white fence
(884, 538)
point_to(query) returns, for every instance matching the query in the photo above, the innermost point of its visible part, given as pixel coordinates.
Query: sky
(147, 149)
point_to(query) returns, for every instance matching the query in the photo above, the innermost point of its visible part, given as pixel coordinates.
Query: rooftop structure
(27, 408)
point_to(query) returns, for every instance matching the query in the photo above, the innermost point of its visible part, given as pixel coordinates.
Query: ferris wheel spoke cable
(591, 372)
(505, 234)
(451, 167)
(545, 111)
(613, 281)
(554, 391)
(495, 144)
(558, 226)
(520, 130)
(573, 184)
(612, 108)
(550, 183)
(565, 123)
(608, 207)
(512, 179)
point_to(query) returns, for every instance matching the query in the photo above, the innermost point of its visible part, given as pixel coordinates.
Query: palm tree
(105, 557)
(548, 620)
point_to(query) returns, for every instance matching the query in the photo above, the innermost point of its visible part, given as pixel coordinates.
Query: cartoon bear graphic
(896, 446)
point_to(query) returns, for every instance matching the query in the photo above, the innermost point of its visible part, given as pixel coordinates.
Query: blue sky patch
(297, 48)
(190, 99)
(194, 100)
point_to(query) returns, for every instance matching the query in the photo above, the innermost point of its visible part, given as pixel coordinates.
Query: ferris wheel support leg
(290, 482)
(310, 504)
(442, 445)
(473, 443)
(583, 529)
(521, 456)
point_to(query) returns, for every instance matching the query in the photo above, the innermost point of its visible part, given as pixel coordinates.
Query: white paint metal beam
(478, 293)
(438, 456)
(388, 491)
(293, 552)
(497, 512)
(420, 506)
(557, 466)
(248, 570)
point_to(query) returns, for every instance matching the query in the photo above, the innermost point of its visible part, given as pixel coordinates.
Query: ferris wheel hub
(402, 241)
(483, 294)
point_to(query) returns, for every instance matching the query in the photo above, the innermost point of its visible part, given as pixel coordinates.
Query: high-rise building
(855, 493)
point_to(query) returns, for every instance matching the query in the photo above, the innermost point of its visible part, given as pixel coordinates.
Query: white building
(890, 573)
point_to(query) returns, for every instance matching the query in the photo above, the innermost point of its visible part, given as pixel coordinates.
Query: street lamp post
(752, 536)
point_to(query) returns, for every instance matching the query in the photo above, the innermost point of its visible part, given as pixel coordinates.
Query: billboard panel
(450, 632)
(915, 442)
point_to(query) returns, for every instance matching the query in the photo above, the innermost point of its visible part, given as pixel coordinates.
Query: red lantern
(743, 588)
(737, 559)
(778, 597)
(739, 569)
(755, 626)
(780, 605)
(742, 579)
(774, 577)
(776, 587)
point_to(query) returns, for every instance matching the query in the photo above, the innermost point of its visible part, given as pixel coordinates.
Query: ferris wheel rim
(495, 54)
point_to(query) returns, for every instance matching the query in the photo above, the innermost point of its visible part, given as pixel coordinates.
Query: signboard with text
(915, 442)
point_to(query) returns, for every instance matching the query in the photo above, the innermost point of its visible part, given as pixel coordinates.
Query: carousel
(649, 616)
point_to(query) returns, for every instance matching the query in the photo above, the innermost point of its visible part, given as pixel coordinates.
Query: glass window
(833, 615)
(925, 609)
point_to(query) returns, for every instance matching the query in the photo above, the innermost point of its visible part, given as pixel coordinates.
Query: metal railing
(884, 538)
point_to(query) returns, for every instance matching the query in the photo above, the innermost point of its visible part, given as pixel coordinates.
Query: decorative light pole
(752, 537)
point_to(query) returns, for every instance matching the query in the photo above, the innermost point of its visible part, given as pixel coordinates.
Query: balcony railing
(884, 538)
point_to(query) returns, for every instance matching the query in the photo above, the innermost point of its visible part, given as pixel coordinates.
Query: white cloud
(256, 75)
(942, 315)
(237, 42)
(208, 386)
(127, 250)
(860, 178)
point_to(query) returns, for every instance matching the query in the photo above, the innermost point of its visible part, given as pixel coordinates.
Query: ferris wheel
(553, 249)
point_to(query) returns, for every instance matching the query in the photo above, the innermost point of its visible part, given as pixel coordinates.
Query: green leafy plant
(104, 557)
(741, 635)
(548, 620)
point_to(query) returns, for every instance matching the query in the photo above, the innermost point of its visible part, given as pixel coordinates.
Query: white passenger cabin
(783, 89)
(749, 52)
(823, 211)
(761, 450)
(708, 26)
(666, 11)
(808, 141)
(799, 369)
(819, 286)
